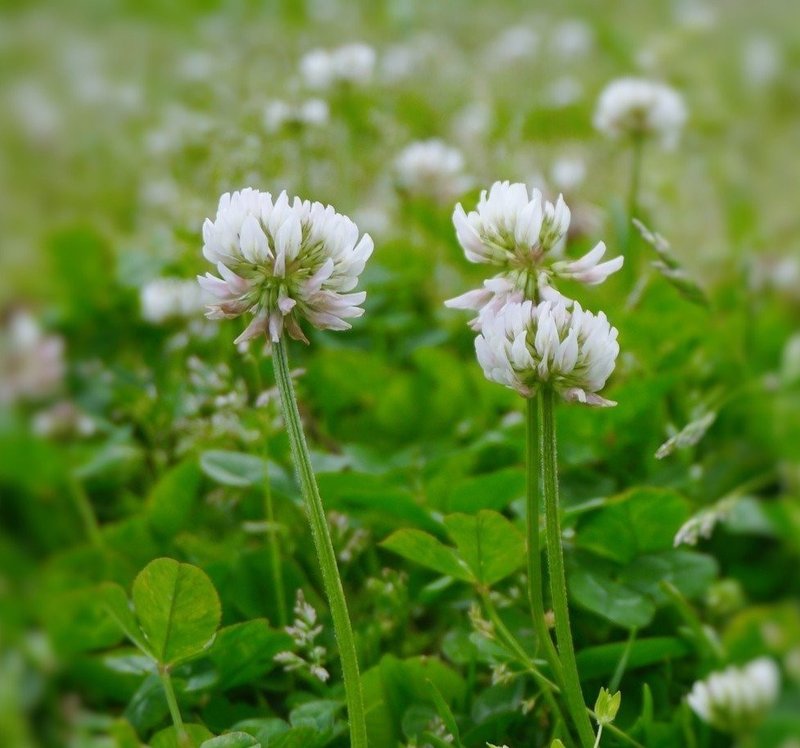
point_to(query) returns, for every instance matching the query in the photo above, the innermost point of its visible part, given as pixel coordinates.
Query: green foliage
(150, 520)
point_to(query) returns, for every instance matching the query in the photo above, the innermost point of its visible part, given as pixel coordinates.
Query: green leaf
(233, 468)
(118, 607)
(244, 652)
(445, 713)
(488, 543)
(297, 737)
(602, 661)
(493, 491)
(232, 740)
(638, 521)
(619, 604)
(178, 609)
(319, 714)
(689, 571)
(168, 738)
(424, 549)
(171, 500)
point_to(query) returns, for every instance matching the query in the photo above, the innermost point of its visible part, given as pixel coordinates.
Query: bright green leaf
(424, 549)
(488, 543)
(178, 609)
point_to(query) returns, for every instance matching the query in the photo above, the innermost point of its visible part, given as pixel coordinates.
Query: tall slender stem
(632, 257)
(555, 562)
(84, 508)
(534, 551)
(184, 739)
(324, 547)
(637, 147)
(273, 537)
(274, 549)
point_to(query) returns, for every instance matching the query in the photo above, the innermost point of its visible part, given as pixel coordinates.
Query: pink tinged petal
(286, 304)
(589, 260)
(236, 283)
(324, 320)
(275, 326)
(314, 283)
(257, 327)
(253, 241)
(214, 286)
(576, 394)
(472, 300)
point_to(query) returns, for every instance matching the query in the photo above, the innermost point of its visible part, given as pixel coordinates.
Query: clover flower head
(526, 346)
(735, 699)
(431, 168)
(523, 234)
(352, 64)
(279, 114)
(283, 261)
(32, 364)
(637, 107)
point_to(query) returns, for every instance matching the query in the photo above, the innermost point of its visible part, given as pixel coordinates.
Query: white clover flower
(762, 61)
(171, 298)
(522, 234)
(32, 365)
(351, 64)
(283, 261)
(310, 113)
(737, 698)
(514, 44)
(568, 172)
(636, 107)
(526, 346)
(572, 39)
(431, 168)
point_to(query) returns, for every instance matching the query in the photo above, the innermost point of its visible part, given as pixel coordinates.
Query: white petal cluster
(525, 346)
(352, 64)
(309, 113)
(522, 234)
(431, 168)
(737, 698)
(171, 298)
(283, 261)
(637, 107)
(32, 365)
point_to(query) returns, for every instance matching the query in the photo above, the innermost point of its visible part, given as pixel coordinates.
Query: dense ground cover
(133, 429)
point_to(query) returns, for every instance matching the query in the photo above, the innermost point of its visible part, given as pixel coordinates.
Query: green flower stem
(534, 552)
(637, 147)
(555, 562)
(273, 536)
(84, 508)
(274, 548)
(325, 554)
(184, 739)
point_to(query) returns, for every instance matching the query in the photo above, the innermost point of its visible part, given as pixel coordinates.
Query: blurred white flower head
(31, 362)
(309, 113)
(431, 168)
(568, 172)
(525, 346)
(572, 39)
(735, 700)
(283, 261)
(762, 61)
(351, 64)
(637, 107)
(514, 44)
(523, 234)
(163, 299)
